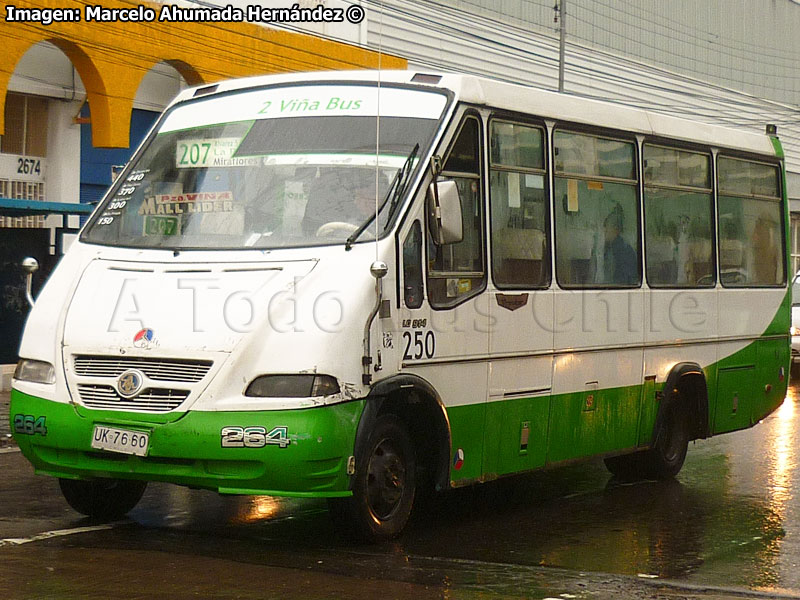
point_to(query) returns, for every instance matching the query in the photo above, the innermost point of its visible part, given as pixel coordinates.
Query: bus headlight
(35, 371)
(292, 386)
(795, 330)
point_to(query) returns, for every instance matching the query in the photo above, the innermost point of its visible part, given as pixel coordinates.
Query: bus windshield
(268, 168)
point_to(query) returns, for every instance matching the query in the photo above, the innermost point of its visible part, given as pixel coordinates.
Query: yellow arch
(187, 71)
(112, 58)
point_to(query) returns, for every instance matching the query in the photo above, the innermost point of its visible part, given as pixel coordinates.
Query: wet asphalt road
(728, 527)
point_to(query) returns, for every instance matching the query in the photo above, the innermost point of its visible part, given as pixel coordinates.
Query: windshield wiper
(395, 192)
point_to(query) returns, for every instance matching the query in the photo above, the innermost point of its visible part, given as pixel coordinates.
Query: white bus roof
(534, 101)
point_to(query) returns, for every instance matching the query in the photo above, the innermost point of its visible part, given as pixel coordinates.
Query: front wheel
(102, 498)
(384, 484)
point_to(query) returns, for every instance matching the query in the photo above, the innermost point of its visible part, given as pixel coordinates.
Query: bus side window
(519, 215)
(412, 267)
(456, 271)
(750, 224)
(678, 208)
(596, 208)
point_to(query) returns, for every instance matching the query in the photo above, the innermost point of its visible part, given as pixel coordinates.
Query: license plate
(123, 441)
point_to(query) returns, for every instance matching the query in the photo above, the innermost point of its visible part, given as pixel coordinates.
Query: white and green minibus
(362, 286)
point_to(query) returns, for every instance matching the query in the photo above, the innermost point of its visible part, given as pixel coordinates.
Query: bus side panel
(463, 390)
(772, 374)
(516, 435)
(774, 360)
(751, 381)
(467, 423)
(600, 416)
(518, 410)
(648, 411)
(736, 387)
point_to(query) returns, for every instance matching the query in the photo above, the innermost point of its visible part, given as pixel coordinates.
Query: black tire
(102, 498)
(665, 459)
(384, 485)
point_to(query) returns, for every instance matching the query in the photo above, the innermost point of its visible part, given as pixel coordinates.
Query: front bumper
(188, 451)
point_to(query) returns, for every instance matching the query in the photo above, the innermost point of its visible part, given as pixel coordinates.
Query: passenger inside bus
(619, 259)
(764, 252)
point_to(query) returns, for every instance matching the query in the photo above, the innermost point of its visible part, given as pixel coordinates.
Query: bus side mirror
(444, 212)
(30, 265)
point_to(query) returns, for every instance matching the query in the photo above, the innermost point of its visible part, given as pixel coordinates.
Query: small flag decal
(458, 460)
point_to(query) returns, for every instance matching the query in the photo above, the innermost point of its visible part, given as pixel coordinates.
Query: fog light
(292, 386)
(35, 371)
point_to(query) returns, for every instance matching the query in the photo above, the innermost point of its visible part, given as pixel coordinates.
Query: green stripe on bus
(776, 144)
(510, 436)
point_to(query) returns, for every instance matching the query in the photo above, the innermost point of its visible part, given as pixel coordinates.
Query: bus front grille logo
(130, 383)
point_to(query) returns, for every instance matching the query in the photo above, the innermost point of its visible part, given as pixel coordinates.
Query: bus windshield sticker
(178, 204)
(214, 152)
(158, 225)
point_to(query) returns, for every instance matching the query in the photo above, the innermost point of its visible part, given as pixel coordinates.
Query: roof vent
(209, 89)
(425, 78)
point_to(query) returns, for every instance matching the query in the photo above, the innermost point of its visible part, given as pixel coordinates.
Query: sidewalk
(5, 428)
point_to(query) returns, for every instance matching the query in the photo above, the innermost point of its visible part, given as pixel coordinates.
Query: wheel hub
(386, 476)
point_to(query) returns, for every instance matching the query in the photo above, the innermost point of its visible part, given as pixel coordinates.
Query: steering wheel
(336, 229)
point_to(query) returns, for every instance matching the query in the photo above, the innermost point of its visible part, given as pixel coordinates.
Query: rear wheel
(102, 498)
(384, 484)
(665, 459)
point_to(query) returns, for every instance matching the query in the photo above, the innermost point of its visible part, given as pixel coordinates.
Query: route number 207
(254, 437)
(194, 154)
(421, 345)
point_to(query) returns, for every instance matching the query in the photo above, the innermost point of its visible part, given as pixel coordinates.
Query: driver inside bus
(344, 208)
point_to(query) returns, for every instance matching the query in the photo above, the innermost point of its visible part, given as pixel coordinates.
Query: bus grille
(151, 400)
(158, 369)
